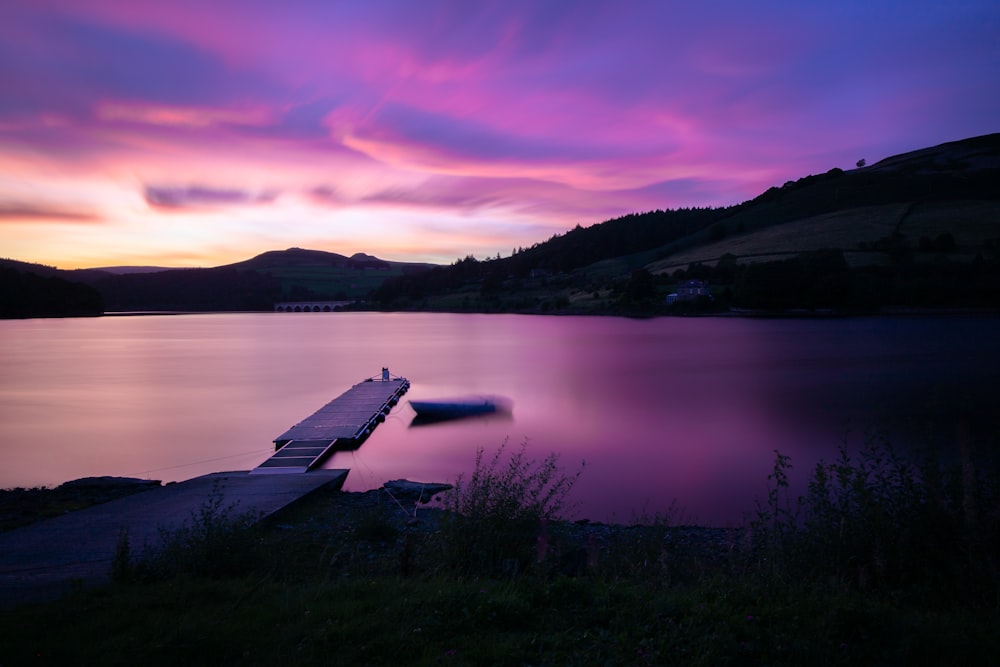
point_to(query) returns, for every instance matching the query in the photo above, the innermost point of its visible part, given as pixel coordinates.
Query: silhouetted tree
(641, 287)
(25, 294)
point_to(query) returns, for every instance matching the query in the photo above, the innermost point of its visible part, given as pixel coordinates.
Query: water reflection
(685, 409)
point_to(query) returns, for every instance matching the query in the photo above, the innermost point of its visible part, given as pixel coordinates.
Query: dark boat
(456, 408)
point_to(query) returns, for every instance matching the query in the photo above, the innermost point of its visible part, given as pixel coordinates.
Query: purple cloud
(197, 196)
(68, 62)
(540, 111)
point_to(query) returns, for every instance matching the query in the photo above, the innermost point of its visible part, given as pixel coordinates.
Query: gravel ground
(379, 526)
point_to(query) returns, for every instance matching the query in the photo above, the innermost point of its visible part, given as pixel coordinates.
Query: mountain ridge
(939, 204)
(911, 226)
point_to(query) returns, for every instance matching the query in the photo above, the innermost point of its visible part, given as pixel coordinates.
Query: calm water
(661, 410)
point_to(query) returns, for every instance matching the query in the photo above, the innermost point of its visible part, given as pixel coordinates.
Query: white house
(689, 290)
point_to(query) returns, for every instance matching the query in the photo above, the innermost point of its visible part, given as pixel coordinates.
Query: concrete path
(44, 560)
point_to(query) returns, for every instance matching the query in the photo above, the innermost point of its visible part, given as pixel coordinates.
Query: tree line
(26, 294)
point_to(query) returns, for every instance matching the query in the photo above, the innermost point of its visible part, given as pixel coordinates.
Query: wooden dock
(49, 558)
(343, 423)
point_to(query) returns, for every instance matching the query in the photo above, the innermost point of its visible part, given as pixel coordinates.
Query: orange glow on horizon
(194, 134)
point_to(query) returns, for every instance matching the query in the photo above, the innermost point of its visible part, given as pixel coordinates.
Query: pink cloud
(170, 116)
(478, 110)
(21, 212)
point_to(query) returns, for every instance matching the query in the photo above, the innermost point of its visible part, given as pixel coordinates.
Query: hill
(253, 284)
(117, 270)
(921, 229)
(918, 229)
(24, 292)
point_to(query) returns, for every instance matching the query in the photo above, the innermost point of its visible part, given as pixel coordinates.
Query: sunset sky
(199, 133)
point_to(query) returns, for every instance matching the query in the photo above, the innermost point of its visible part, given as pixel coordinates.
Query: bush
(497, 514)
(216, 540)
(874, 522)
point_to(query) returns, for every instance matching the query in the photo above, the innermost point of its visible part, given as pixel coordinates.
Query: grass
(843, 229)
(435, 620)
(875, 522)
(373, 584)
(216, 540)
(971, 222)
(497, 518)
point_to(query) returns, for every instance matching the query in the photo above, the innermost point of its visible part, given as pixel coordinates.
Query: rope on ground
(255, 452)
(370, 476)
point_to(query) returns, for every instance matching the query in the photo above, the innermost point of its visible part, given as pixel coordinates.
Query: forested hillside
(915, 230)
(27, 294)
(920, 229)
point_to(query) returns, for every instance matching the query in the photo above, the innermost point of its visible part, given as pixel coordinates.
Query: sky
(200, 133)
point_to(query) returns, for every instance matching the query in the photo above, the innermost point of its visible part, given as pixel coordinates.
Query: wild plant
(497, 514)
(121, 562)
(875, 521)
(641, 549)
(216, 539)
(773, 526)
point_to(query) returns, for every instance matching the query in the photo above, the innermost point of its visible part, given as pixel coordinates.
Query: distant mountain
(294, 258)
(254, 284)
(122, 270)
(917, 229)
(30, 267)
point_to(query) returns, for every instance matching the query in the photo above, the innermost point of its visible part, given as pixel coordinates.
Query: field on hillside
(971, 223)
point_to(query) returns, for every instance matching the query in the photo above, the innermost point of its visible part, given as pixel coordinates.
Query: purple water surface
(672, 411)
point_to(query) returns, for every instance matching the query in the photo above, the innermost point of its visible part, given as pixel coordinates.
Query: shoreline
(55, 537)
(21, 506)
(749, 313)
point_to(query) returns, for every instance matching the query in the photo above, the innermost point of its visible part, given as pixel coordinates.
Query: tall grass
(216, 539)
(498, 515)
(873, 521)
(881, 561)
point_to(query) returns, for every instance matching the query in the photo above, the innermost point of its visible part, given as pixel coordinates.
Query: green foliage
(875, 522)
(882, 561)
(216, 539)
(254, 284)
(217, 289)
(372, 526)
(563, 253)
(496, 514)
(469, 621)
(717, 232)
(641, 550)
(512, 487)
(641, 287)
(815, 279)
(945, 176)
(121, 563)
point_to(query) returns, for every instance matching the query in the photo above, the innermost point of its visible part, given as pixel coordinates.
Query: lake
(668, 411)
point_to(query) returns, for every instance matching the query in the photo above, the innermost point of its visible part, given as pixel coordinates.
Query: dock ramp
(343, 423)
